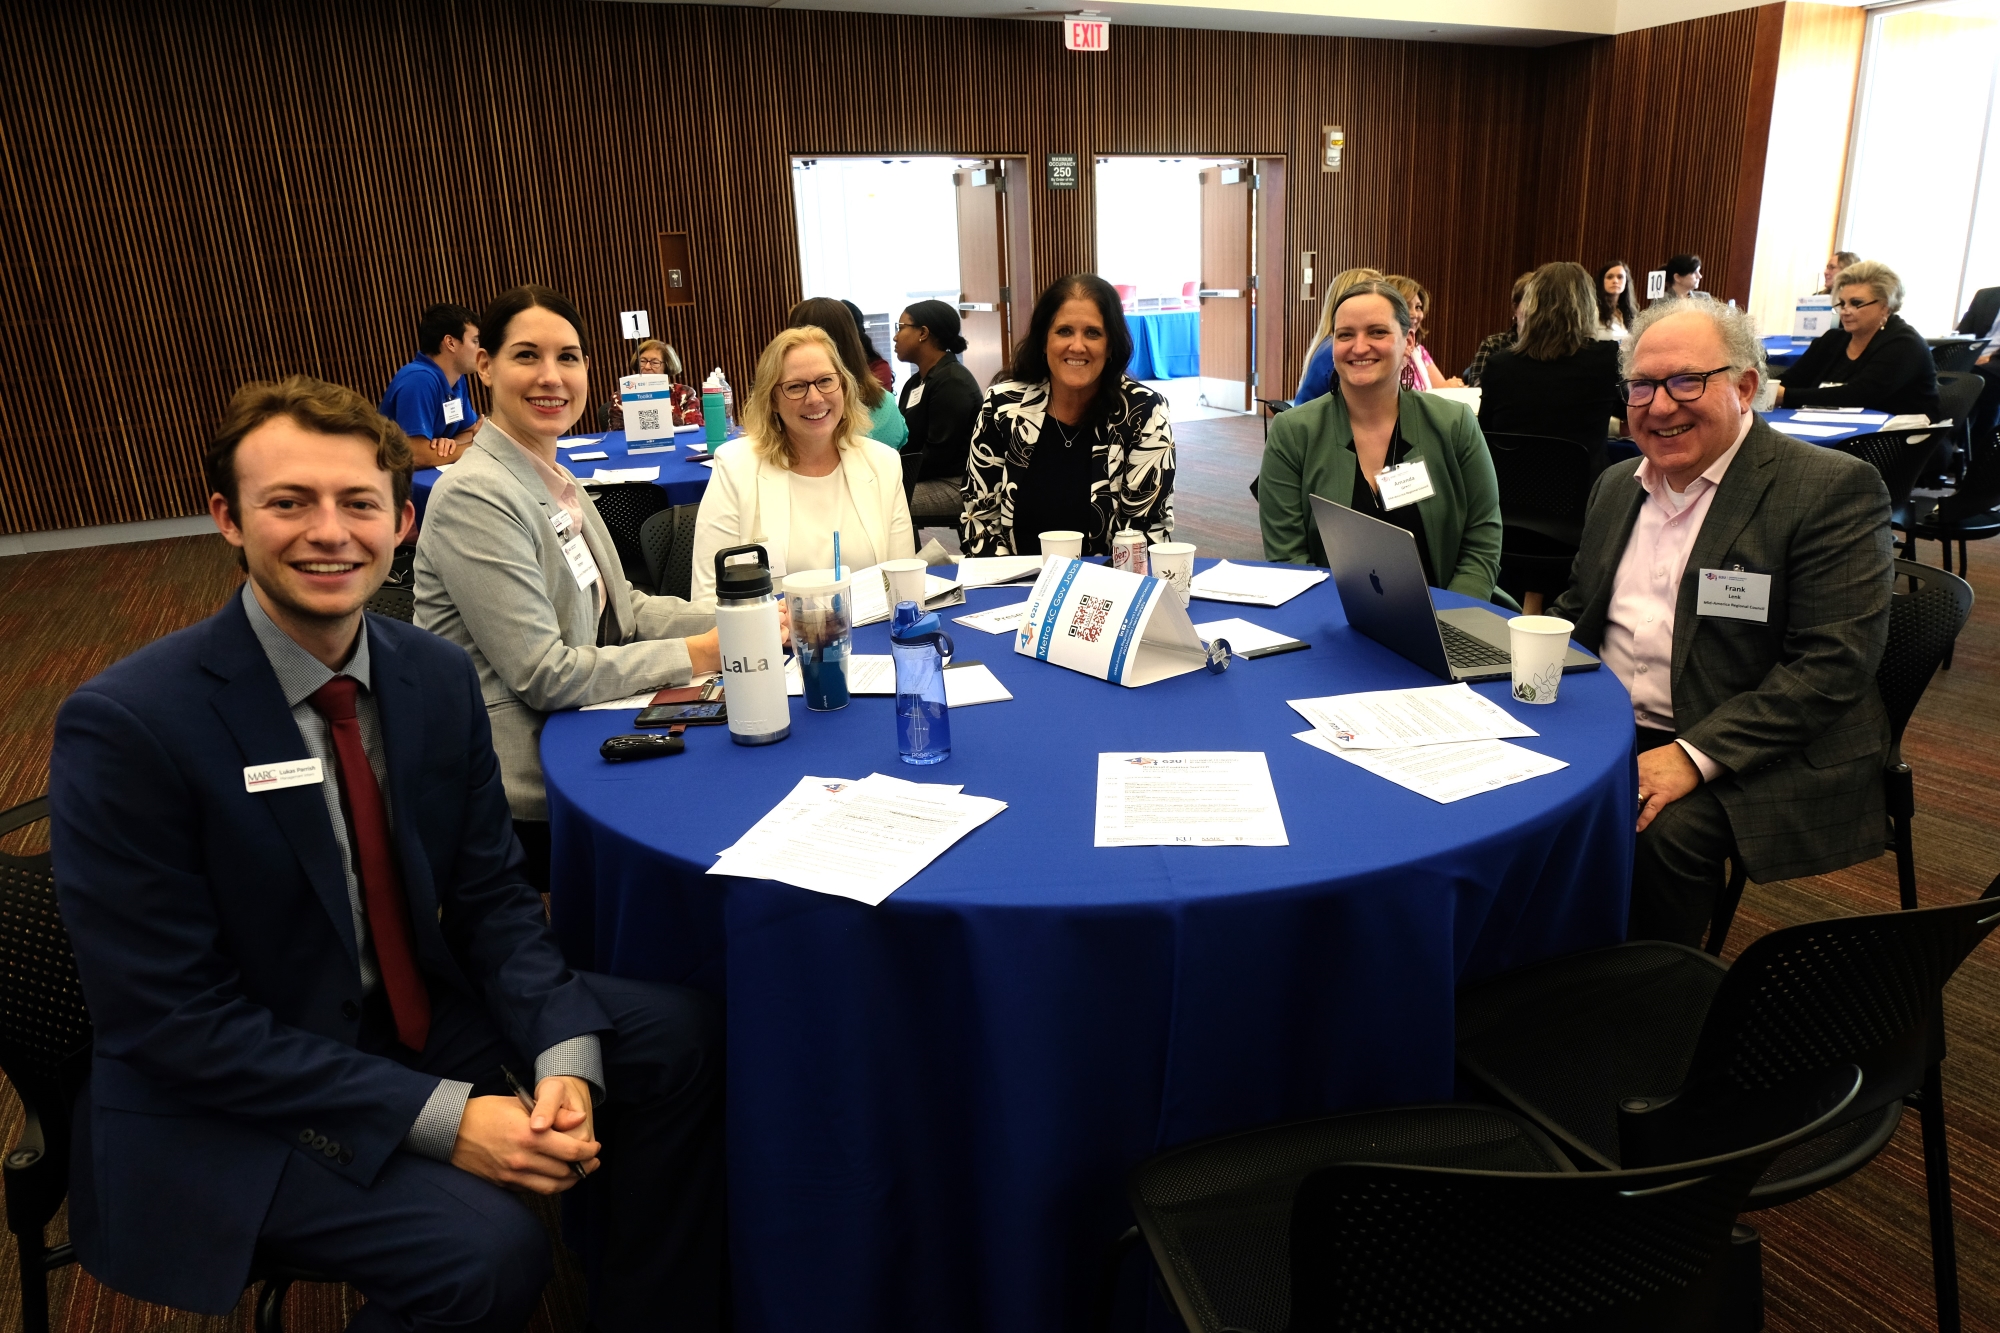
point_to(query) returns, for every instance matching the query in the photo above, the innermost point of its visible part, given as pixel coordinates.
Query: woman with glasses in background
(803, 469)
(1873, 359)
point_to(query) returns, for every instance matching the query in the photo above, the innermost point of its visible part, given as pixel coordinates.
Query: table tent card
(648, 401)
(1109, 623)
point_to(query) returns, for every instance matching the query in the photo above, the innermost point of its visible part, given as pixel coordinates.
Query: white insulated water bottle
(753, 655)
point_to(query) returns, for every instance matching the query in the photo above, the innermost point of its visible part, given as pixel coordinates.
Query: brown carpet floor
(1854, 1257)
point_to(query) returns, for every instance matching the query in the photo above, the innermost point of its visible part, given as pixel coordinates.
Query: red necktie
(382, 898)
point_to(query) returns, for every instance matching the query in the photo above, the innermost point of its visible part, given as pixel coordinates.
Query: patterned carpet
(1855, 1257)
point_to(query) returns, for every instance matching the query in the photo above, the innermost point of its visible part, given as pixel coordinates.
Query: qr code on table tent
(1088, 623)
(649, 418)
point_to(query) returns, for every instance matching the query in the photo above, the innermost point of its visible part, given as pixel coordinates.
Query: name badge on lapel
(560, 521)
(1404, 484)
(454, 411)
(581, 563)
(1734, 594)
(916, 396)
(276, 777)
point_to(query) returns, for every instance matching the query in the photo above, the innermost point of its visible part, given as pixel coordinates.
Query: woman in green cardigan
(1336, 447)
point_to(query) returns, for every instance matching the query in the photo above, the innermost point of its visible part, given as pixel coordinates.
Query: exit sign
(1086, 34)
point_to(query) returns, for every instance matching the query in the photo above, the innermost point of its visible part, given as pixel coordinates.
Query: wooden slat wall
(211, 191)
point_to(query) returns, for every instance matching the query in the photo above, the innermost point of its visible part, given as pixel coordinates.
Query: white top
(819, 506)
(1612, 332)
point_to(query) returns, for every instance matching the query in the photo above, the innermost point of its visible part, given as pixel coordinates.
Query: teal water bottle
(714, 410)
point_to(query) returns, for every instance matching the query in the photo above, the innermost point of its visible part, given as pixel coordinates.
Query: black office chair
(398, 603)
(45, 1053)
(1901, 456)
(1453, 1217)
(1923, 624)
(1958, 393)
(666, 543)
(1954, 356)
(1272, 406)
(1544, 487)
(1626, 1056)
(625, 507)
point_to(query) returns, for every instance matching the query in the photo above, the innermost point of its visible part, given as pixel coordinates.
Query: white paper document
(869, 588)
(998, 620)
(972, 684)
(612, 705)
(1190, 799)
(985, 571)
(654, 449)
(1840, 416)
(1392, 719)
(588, 456)
(1226, 582)
(622, 474)
(577, 441)
(861, 840)
(1446, 773)
(1243, 636)
(1809, 432)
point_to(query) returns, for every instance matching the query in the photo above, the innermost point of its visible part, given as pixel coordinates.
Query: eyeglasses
(1683, 388)
(901, 327)
(1854, 305)
(828, 386)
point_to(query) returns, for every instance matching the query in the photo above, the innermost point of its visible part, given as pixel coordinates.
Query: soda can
(1128, 551)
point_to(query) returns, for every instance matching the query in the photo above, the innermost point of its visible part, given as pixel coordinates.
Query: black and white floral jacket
(1135, 449)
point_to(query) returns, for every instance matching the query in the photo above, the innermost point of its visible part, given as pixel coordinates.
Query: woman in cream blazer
(776, 486)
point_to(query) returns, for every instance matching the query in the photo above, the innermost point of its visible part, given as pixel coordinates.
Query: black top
(942, 418)
(1894, 374)
(1408, 517)
(1054, 489)
(1570, 398)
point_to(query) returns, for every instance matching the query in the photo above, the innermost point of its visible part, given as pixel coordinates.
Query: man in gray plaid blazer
(1737, 581)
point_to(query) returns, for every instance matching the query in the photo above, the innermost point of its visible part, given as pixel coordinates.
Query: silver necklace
(1069, 437)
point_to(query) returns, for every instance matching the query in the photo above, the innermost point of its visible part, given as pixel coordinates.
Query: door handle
(1219, 291)
(976, 307)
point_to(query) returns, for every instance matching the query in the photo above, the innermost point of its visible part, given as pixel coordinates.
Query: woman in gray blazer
(515, 566)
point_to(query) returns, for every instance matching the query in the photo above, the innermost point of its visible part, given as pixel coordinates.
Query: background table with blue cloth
(1781, 350)
(681, 476)
(933, 1104)
(1865, 423)
(1166, 345)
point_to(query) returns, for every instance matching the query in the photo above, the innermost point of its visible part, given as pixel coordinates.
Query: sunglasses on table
(1682, 388)
(828, 386)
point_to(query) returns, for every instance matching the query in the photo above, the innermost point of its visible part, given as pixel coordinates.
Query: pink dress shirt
(1639, 624)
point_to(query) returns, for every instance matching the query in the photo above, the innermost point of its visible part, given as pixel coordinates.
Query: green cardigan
(1309, 453)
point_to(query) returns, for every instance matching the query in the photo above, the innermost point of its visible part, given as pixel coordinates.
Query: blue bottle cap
(908, 624)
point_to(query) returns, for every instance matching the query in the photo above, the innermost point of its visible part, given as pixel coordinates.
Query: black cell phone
(621, 749)
(712, 713)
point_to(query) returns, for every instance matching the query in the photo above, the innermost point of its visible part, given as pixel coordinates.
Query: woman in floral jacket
(1069, 442)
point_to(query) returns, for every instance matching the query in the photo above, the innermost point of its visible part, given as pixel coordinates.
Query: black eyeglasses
(1854, 305)
(828, 386)
(1683, 388)
(901, 327)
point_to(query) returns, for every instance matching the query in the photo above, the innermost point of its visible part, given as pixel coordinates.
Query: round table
(933, 1103)
(683, 477)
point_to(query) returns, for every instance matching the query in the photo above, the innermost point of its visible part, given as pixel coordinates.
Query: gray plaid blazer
(492, 578)
(1788, 707)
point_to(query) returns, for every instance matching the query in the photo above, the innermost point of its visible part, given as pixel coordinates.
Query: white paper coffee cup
(1062, 544)
(1174, 562)
(1539, 644)
(905, 580)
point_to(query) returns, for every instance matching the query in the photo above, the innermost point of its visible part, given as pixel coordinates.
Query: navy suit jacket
(216, 945)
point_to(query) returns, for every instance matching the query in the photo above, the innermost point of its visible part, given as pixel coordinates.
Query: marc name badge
(276, 777)
(1733, 594)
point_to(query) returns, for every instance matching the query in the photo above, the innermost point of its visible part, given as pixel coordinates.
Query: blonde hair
(761, 419)
(1558, 312)
(1875, 275)
(1342, 281)
(1413, 294)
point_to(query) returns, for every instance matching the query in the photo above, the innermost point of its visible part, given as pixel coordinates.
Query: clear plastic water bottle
(923, 718)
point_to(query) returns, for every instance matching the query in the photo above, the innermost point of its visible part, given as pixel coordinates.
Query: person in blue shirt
(431, 398)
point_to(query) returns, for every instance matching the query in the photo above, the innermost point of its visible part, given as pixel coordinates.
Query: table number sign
(1108, 623)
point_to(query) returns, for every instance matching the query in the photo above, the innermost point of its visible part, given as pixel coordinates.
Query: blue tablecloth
(682, 477)
(933, 1104)
(1780, 351)
(1618, 449)
(1165, 345)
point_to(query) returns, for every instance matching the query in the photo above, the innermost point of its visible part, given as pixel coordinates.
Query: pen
(1295, 646)
(528, 1104)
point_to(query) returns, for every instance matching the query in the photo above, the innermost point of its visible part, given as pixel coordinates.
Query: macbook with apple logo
(1380, 578)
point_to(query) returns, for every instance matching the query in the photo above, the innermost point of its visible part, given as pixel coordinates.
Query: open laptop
(1381, 581)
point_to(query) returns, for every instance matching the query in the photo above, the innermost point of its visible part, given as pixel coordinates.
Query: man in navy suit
(285, 859)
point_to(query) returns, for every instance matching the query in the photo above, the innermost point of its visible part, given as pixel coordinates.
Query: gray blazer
(492, 578)
(1788, 707)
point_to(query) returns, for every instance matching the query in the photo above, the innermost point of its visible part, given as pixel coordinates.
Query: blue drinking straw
(836, 569)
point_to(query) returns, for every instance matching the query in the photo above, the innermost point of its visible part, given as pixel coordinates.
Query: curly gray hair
(1736, 329)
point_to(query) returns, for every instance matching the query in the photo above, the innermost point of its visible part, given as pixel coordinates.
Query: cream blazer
(749, 499)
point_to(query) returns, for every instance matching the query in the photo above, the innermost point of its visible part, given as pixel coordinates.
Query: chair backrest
(1384, 1247)
(1958, 390)
(44, 1026)
(913, 467)
(1924, 620)
(667, 541)
(396, 603)
(1954, 358)
(1862, 990)
(1544, 483)
(625, 508)
(1899, 455)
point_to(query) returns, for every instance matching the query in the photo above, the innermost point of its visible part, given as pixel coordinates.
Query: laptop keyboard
(1467, 653)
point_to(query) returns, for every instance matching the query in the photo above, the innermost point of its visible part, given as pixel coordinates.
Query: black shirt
(1895, 373)
(1054, 490)
(942, 417)
(1407, 517)
(1571, 397)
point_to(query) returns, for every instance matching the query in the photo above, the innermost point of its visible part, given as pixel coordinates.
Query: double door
(995, 273)
(1242, 282)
